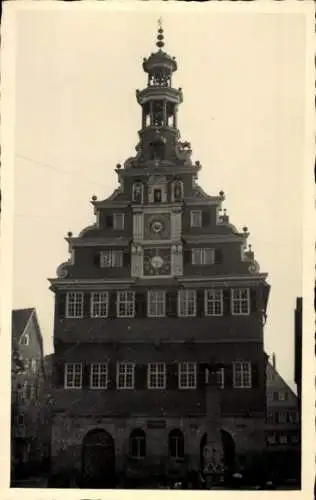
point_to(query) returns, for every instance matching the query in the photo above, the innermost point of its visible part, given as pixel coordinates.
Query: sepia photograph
(157, 261)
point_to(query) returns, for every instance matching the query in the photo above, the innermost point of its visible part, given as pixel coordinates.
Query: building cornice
(109, 204)
(160, 209)
(168, 170)
(215, 238)
(210, 201)
(98, 242)
(83, 284)
(223, 281)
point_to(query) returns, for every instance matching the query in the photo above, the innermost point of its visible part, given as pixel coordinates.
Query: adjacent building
(283, 426)
(29, 435)
(159, 365)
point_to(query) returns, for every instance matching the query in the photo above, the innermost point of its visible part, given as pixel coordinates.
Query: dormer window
(138, 192)
(25, 340)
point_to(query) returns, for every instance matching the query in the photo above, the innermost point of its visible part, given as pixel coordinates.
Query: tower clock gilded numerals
(157, 261)
(157, 226)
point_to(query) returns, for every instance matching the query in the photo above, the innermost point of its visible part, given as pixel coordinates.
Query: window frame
(209, 301)
(155, 303)
(138, 436)
(270, 418)
(80, 306)
(283, 440)
(118, 216)
(66, 385)
(271, 441)
(239, 301)
(283, 393)
(187, 373)
(113, 262)
(120, 301)
(201, 253)
(176, 436)
(25, 339)
(99, 303)
(282, 420)
(195, 213)
(242, 375)
(156, 373)
(126, 364)
(183, 295)
(99, 375)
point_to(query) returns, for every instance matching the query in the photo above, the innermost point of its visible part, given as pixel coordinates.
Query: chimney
(273, 361)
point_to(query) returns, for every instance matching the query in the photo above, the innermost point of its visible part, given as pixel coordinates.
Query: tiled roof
(20, 318)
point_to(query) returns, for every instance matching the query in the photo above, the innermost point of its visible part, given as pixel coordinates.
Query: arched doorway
(229, 450)
(98, 459)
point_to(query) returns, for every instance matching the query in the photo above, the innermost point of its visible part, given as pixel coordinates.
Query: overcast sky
(77, 117)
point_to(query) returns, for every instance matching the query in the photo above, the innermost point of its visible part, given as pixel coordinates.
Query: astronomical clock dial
(157, 261)
(157, 226)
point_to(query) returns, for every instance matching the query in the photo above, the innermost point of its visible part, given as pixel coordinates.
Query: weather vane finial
(160, 43)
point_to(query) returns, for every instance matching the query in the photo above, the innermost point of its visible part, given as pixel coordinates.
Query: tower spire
(160, 36)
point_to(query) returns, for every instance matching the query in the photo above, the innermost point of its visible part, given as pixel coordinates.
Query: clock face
(157, 226)
(156, 262)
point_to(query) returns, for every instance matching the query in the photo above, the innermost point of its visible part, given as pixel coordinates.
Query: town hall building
(159, 363)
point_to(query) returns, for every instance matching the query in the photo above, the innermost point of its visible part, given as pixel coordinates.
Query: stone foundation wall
(68, 434)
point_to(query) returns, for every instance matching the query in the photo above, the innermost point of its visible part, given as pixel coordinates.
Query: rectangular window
(74, 305)
(220, 378)
(187, 303)
(26, 365)
(156, 303)
(282, 417)
(187, 375)
(242, 375)
(282, 396)
(99, 304)
(21, 419)
(270, 419)
(125, 304)
(271, 438)
(294, 438)
(111, 258)
(203, 256)
(213, 302)
(24, 391)
(270, 396)
(33, 366)
(293, 417)
(196, 218)
(32, 391)
(25, 340)
(156, 376)
(283, 439)
(99, 376)
(125, 375)
(118, 221)
(240, 301)
(73, 376)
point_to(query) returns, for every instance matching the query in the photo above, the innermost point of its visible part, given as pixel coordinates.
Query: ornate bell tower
(156, 177)
(159, 102)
